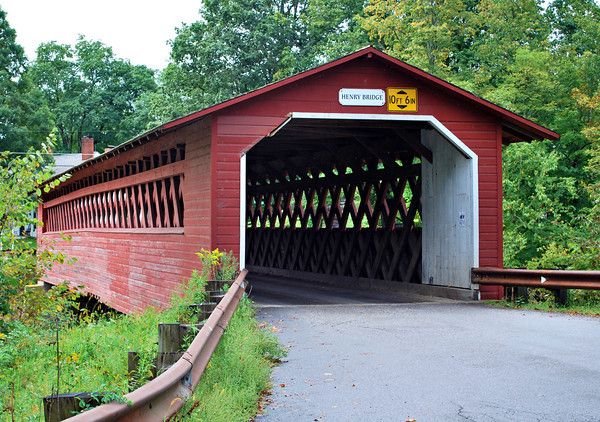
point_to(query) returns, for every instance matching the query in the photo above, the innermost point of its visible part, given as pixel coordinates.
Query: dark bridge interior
(337, 199)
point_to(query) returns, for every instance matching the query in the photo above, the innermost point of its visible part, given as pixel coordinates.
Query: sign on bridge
(401, 99)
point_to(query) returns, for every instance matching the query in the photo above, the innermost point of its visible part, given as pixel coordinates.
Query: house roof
(63, 162)
(518, 127)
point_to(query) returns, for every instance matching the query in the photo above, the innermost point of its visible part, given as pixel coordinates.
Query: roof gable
(517, 127)
(515, 124)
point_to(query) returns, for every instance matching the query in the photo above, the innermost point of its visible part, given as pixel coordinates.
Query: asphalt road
(430, 361)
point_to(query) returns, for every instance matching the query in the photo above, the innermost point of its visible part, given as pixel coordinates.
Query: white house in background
(66, 161)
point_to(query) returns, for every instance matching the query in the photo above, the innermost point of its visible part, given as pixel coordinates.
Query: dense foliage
(537, 58)
(90, 92)
(68, 349)
(24, 116)
(22, 180)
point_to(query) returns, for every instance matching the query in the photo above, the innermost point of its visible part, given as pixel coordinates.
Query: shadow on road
(280, 291)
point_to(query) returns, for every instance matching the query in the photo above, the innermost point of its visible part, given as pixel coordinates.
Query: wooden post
(63, 406)
(203, 310)
(515, 293)
(133, 362)
(216, 296)
(561, 296)
(217, 285)
(206, 309)
(188, 329)
(170, 339)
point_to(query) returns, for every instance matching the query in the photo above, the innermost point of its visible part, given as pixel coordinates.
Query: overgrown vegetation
(584, 302)
(64, 349)
(92, 358)
(238, 373)
(22, 180)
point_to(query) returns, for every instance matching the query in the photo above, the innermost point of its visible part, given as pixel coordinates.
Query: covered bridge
(363, 170)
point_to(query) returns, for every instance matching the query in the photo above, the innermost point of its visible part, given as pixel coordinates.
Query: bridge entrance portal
(361, 201)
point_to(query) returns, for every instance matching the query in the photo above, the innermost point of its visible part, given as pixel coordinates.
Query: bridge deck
(282, 291)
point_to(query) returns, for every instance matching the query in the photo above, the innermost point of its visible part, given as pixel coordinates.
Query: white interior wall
(448, 214)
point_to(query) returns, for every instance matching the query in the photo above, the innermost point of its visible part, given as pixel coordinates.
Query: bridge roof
(517, 128)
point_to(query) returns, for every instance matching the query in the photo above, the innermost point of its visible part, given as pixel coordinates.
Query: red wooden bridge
(320, 176)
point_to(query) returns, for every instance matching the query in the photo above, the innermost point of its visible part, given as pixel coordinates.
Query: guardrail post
(514, 293)
(203, 310)
(62, 406)
(170, 339)
(133, 362)
(561, 296)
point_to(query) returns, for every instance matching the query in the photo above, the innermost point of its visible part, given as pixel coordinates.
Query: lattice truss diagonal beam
(346, 205)
(143, 194)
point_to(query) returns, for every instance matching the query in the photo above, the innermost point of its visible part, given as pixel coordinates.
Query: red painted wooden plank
(499, 196)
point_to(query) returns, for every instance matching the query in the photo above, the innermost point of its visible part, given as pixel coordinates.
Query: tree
(234, 47)
(22, 180)
(576, 25)
(422, 32)
(24, 117)
(90, 92)
(538, 202)
(328, 30)
(238, 46)
(500, 28)
(581, 250)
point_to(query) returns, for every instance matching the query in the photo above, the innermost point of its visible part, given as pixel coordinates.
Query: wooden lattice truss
(144, 194)
(344, 202)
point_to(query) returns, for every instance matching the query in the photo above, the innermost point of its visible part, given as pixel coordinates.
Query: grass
(238, 373)
(580, 302)
(93, 358)
(581, 309)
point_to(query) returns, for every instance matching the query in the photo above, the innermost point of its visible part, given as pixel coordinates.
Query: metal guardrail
(548, 279)
(162, 397)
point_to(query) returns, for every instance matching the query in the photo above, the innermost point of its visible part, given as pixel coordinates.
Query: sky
(137, 30)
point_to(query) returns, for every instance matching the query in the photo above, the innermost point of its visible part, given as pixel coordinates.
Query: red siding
(241, 126)
(129, 270)
(133, 270)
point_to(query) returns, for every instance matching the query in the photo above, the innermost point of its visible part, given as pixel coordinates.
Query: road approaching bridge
(435, 360)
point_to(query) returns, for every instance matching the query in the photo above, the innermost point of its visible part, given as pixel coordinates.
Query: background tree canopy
(89, 91)
(537, 58)
(24, 116)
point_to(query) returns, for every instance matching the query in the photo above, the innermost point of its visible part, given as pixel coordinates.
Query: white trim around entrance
(435, 123)
(243, 212)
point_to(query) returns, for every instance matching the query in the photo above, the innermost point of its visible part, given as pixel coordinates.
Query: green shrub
(584, 297)
(238, 372)
(576, 297)
(93, 353)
